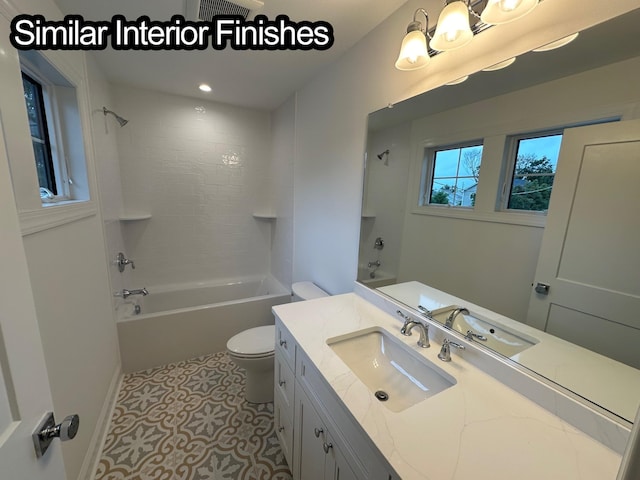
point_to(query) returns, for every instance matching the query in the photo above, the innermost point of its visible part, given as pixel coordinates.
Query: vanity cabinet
(319, 453)
(307, 414)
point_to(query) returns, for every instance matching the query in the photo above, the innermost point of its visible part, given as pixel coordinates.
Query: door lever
(542, 288)
(48, 430)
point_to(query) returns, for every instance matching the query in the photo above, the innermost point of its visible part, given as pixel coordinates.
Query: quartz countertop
(477, 429)
(606, 382)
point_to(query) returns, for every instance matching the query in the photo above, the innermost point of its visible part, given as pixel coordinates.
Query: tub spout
(126, 293)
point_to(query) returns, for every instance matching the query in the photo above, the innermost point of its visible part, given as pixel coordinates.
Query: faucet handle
(426, 312)
(407, 320)
(122, 261)
(445, 352)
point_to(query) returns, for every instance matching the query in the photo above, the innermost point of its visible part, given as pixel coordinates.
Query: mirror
(483, 254)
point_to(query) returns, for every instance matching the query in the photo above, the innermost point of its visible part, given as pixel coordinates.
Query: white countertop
(606, 382)
(477, 429)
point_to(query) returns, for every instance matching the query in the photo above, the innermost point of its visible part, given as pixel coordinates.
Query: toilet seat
(255, 342)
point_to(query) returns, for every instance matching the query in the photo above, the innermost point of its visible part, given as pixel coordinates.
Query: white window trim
(511, 148)
(35, 215)
(428, 164)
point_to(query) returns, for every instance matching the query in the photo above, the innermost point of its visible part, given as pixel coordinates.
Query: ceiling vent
(205, 10)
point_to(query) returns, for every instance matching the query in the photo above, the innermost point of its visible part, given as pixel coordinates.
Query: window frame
(512, 143)
(51, 109)
(427, 173)
(42, 115)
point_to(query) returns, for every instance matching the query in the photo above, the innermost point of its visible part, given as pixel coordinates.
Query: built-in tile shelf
(265, 215)
(134, 217)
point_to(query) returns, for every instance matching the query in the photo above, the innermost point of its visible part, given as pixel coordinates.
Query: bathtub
(178, 322)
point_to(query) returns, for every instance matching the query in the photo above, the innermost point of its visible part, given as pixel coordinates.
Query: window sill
(513, 218)
(55, 214)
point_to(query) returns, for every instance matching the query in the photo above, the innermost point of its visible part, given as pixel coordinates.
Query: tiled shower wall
(200, 169)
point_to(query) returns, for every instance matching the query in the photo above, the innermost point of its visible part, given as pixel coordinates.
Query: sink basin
(499, 338)
(395, 374)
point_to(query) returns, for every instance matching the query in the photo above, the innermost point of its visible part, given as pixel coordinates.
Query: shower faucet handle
(122, 261)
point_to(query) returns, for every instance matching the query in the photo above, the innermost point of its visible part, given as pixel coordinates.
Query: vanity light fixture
(413, 53)
(455, 28)
(557, 44)
(204, 88)
(500, 65)
(504, 11)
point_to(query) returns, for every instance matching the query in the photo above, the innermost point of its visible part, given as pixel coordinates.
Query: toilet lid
(254, 341)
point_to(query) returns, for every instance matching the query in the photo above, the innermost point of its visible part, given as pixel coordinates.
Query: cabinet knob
(317, 432)
(281, 429)
(281, 383)
(283, 343)
(327, 446)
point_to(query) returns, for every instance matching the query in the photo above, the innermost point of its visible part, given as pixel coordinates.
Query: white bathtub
(178, 322)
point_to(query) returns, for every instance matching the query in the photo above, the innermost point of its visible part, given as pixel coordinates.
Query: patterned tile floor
(189, 421)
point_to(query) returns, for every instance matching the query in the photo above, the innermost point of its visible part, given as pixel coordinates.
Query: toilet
(253, 350)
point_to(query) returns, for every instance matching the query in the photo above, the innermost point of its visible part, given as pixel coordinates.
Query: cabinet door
(310, 435)
(336, 465)
(283, 423)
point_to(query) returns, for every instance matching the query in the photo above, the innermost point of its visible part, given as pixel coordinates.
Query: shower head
(120, 120)
(381, 155)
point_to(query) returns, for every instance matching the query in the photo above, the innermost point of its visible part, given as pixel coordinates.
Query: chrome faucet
(458, 310)
(374, 264)
(125, 293)
(445, 351)
(409, 323)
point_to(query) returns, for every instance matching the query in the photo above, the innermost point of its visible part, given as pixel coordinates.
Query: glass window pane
(535, 166)
(39, 135)
(455, 176)
(31, 98)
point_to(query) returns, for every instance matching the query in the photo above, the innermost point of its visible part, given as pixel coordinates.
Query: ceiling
(257, 79)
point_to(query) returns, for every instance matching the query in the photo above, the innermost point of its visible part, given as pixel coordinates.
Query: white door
(25, 395)
(590, 253)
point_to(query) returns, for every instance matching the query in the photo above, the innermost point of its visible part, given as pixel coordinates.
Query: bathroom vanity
(476, 421)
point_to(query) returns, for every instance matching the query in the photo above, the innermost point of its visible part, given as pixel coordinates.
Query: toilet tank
(307, 291)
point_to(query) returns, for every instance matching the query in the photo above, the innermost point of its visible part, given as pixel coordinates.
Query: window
(534, 162)
(450, 176)
(55, 124)
(39, 134)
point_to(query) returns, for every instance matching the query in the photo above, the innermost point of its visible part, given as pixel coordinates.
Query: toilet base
(258, 377)
(259, 387)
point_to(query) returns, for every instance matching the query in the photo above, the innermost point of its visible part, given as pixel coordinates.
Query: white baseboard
(94, 452)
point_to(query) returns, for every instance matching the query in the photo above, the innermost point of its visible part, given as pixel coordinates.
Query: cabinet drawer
(285, 344)
(284, 383)
(283, 423)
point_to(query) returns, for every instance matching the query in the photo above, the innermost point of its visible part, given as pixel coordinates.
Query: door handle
(48, 430)
(542, 288)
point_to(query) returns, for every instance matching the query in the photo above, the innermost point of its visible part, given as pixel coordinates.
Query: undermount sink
(500, 339)
(395, 374)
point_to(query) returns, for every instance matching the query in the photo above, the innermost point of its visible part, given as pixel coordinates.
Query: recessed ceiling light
(500, 65)
(204, 87)
(557, 44)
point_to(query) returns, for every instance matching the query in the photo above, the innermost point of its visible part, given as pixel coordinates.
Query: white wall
(104, 132)
(384, 197)
(281, 195)
(331, 122)
(201, 170)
